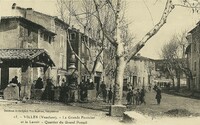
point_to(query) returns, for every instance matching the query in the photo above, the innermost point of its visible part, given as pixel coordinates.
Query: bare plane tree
(174, 57)
(110, 28)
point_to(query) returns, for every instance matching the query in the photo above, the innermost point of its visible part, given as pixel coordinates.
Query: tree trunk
(178, 83)
(189, 83)
(173, 84)
(178, 80)
(118, 88)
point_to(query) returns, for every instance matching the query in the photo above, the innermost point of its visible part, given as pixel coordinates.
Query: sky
(142, 15)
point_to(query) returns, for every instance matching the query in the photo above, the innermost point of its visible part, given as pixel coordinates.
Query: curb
(133, 116)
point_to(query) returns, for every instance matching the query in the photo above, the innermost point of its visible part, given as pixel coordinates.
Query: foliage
(173, 54)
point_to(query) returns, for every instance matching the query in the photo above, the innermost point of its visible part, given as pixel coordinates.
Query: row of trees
(175, 62)
(105, 22)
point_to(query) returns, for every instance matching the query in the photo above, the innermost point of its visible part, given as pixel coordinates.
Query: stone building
(20, 54)
(193, 57)
(59, 48)
(140, 71)
(26, 28)
(81, 45)
(53, 39)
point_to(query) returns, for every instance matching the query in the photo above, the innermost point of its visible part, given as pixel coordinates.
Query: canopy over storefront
(18, 57)
(163, 80)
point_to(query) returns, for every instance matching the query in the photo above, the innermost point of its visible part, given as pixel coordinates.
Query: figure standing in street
(158, 95)
(137, 97)
(110, 94)
(104, 95)
(49, 91)
(149, 88)
(129, 97)
(83, 89)
(134, 95)
(64, 91)
(142, 96)
(103, 90)
(39, 83)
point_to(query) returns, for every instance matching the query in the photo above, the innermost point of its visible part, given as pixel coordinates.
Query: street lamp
(1, 61)
(72, 67)
(72, 78)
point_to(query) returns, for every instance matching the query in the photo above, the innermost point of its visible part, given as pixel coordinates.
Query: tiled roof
(23, 54)
(20, 53)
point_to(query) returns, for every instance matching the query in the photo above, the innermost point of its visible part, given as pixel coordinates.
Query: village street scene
(100, 62)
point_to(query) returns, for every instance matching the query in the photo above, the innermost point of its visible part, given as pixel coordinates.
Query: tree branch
(168, 8)
(82, 62)
(112, 41)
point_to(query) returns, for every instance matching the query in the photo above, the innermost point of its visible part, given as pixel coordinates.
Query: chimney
(14, 6)
(15, 11)
(138, 54)
(29, 13)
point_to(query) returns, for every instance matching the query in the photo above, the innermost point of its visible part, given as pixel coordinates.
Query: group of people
(137, 96)
(84, 86)
(67, 91)
(106, 94)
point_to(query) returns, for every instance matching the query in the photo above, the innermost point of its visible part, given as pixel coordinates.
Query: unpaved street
(45, 113)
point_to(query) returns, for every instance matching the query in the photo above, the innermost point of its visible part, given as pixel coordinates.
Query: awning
(19, 57)
(163, 80)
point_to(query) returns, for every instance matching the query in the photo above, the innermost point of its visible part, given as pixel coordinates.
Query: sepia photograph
(99, 62)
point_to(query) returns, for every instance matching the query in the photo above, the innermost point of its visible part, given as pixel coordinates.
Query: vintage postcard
(104, 62)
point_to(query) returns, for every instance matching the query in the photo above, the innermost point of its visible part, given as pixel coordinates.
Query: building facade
(193, 57)
(140, 71)
(19, 34)
(54, 41)
(85, 47)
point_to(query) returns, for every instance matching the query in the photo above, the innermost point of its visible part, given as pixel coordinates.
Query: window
(41, 36)
(82, 38)
(29, 32)
(53, 26)
(72, 36)
(62, 43)
(194, 81)
(53, 39)
(61, 61)
(46, 37)
(22, 30)
(195, 66)
(194, 45)
(50, 39)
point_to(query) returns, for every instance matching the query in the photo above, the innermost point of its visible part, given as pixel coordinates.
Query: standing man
(158, 95)
(103, 90)
(129, 97)
(39, 83)
(142, 96)
(137, 97)
(110, 95)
